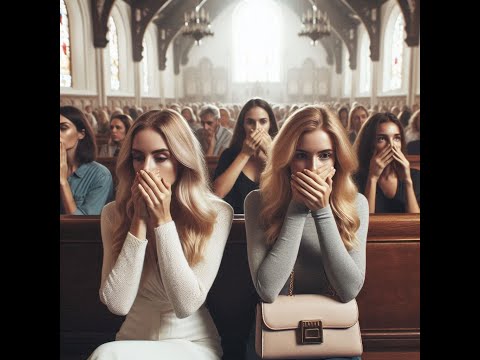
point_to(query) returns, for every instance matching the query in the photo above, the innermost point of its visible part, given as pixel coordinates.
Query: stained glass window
(114, 57)
(65, 55)
(145, 67)
(397, 54)
(257, 60)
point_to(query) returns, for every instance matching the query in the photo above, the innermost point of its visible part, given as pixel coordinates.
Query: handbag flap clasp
(311, 332)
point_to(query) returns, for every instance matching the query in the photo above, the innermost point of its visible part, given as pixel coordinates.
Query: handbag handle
(290, 287)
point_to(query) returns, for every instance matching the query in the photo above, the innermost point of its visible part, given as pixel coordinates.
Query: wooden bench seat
(389, 302)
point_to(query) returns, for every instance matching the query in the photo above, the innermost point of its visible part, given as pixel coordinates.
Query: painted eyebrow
(384, 134)
(264, 118)
(153, 152)
(319, 152)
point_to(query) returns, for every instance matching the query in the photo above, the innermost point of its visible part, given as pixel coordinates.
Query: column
(162, 87)
(374, 85)
(101, 78)
(177, 86)
(412, 76)
(137, 80)
(339, 86)
(332, 91)
(354, 87)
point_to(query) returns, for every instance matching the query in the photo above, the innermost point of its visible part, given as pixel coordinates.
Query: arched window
(365, 64)
(347, 73)
(114, 57)
(145, 67)
(397, 54)
(394, 52)
(65, 55)
(256, 42)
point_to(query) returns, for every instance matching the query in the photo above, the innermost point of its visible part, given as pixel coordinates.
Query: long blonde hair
(351, 126)
(275, 180)
(191, 207)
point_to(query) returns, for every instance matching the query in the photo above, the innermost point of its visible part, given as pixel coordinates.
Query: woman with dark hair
(85, 185)
(343, 116)
(133, 113)
(239, 167)
(119, 126)
(404, 115)
(384, 175)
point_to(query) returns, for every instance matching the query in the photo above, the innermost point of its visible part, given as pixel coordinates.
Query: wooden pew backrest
(414, 161)
(389, 302)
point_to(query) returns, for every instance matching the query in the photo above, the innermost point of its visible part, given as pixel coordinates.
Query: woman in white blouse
(163, 240)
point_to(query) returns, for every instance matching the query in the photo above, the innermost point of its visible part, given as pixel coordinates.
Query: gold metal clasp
(311, 332)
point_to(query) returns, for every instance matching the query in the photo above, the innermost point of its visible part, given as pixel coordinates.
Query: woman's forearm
(224, 183)
(370, 193)
(67, 199)
(411, 199)
(138, 228)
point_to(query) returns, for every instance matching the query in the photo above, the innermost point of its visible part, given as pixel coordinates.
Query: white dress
(166, 314)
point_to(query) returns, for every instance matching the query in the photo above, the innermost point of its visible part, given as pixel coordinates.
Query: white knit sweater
(173, 285)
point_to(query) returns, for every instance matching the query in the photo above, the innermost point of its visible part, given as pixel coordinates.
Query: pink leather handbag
(307, 326)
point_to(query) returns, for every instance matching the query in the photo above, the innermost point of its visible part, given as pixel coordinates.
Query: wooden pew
(212, 162)
(101, 140)
(414, 161)
(389, 302)
(109, 162)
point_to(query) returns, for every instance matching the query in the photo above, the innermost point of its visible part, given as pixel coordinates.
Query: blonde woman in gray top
(163, 240)
(307, 215)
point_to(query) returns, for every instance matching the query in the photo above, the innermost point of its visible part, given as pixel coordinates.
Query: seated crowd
(240, 138)
(305, 189)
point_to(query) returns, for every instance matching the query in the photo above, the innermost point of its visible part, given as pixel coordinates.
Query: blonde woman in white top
(163, 240)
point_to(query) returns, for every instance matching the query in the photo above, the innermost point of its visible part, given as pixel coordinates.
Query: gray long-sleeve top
(311, 242)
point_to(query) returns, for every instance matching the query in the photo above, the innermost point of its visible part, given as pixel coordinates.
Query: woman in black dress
(384, 175)
(240, 165)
